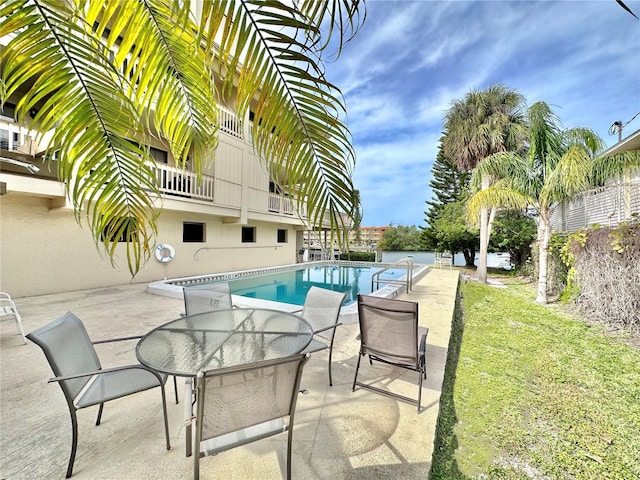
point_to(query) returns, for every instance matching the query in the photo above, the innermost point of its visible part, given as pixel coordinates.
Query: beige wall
(43, 251)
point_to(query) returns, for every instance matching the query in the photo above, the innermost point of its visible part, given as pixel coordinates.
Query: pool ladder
(406, 263)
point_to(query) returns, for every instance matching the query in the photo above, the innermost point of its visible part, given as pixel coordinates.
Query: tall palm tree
(105, 76)
(559, 165)
(478, 125)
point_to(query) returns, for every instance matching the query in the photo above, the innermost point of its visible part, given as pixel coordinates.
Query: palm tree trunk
(544, 235)
(481, 272)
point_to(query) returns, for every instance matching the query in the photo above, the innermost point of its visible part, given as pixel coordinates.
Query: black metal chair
(243, 404)
(389, 333)
(322, 310)
(84, 382)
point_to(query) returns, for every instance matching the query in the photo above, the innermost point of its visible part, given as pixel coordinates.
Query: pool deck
(338, 434)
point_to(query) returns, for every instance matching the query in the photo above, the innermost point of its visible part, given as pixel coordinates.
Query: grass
(532, 392)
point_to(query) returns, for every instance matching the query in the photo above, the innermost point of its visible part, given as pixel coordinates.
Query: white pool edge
(172, 287)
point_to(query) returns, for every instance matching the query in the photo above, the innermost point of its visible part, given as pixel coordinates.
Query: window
(193, 232)
(8, 111)
(248, 234)
(121, 230)
(282, 235)
(160, 156)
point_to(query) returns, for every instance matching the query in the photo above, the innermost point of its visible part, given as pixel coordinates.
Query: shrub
(605, 265)
(359, 256)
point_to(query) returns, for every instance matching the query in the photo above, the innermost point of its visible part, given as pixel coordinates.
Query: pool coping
(172, 287)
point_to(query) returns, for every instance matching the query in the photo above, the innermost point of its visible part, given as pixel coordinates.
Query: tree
(454, 234)
(513, 231)
(356, 215)
(476, 126)
(400, 238)
(448, 183)
(106, 76)
(558, 165)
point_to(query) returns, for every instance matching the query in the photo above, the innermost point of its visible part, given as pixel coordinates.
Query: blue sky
(411, 59)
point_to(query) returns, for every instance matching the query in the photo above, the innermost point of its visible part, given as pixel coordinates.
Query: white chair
(443, 259)
(8, 307)
(322, 310)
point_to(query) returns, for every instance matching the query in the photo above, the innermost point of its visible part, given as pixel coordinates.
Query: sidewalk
(338, 434)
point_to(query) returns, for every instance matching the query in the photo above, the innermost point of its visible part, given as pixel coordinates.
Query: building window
(248, 234)
(282, 235)
(120, 230)
(193, 232)
(160, 156)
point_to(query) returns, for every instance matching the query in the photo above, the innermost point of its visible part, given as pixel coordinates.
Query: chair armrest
(120, 339)
(104, 370)
(327, 328)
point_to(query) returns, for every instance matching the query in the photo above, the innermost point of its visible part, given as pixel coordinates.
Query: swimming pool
(292, 286)
(288, 285)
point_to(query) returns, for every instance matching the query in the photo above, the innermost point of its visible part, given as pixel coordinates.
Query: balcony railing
(183, 183)
(281, 204)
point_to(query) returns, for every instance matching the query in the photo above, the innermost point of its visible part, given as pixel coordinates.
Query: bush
(359, 256)
(606, 269)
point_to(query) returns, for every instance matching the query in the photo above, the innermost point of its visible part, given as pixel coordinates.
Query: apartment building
(369, 236)
(233, 217)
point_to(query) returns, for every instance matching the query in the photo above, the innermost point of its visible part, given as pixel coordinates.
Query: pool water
(292, 286)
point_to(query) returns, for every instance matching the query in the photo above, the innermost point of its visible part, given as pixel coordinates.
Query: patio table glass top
(222, 338)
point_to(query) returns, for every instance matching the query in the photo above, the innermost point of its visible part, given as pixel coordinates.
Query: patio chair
(84, 382)
(443, 259)
(322, 309)
(243, 404)
(207, 298)
(8, 307)
(389, 333)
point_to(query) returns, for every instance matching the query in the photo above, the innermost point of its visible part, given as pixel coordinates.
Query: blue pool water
(292, 286)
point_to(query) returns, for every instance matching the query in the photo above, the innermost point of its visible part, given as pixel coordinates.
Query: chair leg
(419, 389)
(166, 420)
(353, 388)
(289, 442)
(175, 389)
(330, 355)
(74, 441)
(99, 414)
(19, 325)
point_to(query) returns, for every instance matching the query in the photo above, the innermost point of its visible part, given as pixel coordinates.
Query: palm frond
(498, 195)
(298, 129)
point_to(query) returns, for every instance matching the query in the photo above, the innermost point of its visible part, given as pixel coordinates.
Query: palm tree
(559, 165)
(105, 76)
(478, 125)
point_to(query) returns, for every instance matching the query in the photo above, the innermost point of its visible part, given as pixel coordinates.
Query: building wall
(45, 251)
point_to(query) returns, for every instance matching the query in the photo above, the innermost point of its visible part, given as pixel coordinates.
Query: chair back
(389, 329)
(69, 351)
(239, 398)
(207, 298)
(322, 309)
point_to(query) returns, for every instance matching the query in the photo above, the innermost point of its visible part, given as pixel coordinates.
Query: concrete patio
(338, 434)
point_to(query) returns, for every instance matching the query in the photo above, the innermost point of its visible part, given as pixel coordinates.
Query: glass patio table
(220, 339)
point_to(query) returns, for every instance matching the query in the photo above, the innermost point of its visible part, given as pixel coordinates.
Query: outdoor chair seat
(322, 310)
(8, 307)
(246, 403)
(389, 333)
(84, 383)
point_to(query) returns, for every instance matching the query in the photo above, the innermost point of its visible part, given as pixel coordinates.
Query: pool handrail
(406, 263)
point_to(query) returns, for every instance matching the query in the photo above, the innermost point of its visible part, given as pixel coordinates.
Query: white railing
(281, 204)
(230, 123)
(183, 183)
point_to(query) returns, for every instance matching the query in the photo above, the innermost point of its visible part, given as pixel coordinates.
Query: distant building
(369, 236)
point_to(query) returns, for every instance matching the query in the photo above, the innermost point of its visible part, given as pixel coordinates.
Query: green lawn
(531, 392)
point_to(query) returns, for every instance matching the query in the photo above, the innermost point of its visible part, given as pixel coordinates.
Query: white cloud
(413, 58)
